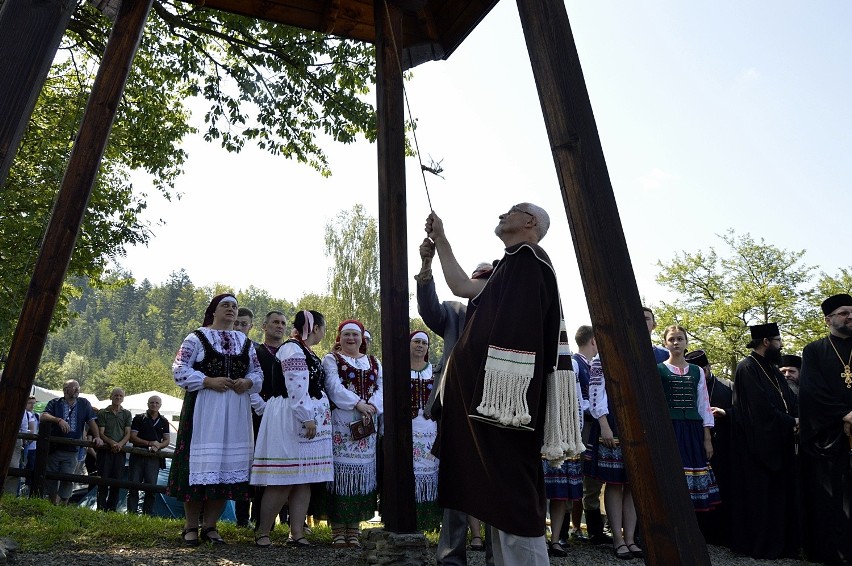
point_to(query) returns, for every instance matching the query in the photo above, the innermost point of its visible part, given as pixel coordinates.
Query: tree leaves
(751, 282)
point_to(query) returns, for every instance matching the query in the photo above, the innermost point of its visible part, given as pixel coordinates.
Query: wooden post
(398, 511)
(30, 32)
(42, 453)
(66, 218)
(669, 528)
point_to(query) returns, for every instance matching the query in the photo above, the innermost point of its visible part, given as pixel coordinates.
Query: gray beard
(844, 331)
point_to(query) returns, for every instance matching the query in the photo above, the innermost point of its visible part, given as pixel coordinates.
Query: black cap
(834, 302)
(697, 357)
(761, 331)
(790, 361)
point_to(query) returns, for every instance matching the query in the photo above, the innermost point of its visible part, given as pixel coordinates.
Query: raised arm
(460, 284)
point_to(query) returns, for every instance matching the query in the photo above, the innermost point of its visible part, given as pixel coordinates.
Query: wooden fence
(39, 473)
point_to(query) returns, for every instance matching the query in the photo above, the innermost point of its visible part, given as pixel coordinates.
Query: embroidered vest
(420, 390)
(681, 392)
(217, 364)
(363, 382)
(273, 375)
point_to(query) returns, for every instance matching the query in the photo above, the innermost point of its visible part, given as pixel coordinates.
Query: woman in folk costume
(218, 368)
(604, 461)
(423, 432)
(692, 418)
(352, 494)
(294, 441)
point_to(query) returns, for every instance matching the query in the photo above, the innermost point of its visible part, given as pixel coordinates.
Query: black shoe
(622, 554)
(257, 540)
(577, 535)
(600, 538)
(205, 536)
(555, 549)
(635, 550)
(190, 541)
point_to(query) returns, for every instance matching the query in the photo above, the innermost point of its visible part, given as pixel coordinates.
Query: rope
(407, 105)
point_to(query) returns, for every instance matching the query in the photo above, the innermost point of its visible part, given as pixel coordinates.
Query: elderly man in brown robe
(494, 395)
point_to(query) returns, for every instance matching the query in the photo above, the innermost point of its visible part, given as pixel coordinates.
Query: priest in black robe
(764, 510)
(494, 393)
(715, 523)
(825, 400)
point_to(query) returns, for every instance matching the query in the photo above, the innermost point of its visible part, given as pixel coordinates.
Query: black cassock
(825, 455)
(763, 501)
(715, 524)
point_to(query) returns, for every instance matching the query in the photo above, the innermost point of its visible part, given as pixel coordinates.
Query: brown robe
(488, 471)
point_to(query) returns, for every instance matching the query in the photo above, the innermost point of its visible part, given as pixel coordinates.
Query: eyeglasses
(776, 339)
(843, 314)
(516, 209)
(238, 324)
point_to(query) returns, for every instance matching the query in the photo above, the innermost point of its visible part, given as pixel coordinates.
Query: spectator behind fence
(13, 482)
(149, 431)
(69, 415)
(114, 426)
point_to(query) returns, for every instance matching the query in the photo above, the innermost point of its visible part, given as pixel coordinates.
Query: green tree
(268, 84)
(50, 375)
(135, 372)
(352, 242)
(718, 296)
(77, 367)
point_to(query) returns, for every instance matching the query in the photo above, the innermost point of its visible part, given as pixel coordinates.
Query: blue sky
(712, 116)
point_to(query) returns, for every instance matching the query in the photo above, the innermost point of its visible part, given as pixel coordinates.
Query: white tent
(43, 395)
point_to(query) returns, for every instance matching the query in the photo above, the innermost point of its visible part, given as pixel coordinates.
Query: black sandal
(205, 536)
(190, 541)
(478, 547)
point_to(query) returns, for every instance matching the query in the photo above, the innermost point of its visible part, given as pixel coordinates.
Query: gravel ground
(245, 555)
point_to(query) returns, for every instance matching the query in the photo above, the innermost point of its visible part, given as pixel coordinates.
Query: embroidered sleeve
(704, 401)
(254, 373)
(186, 377)
(339, 395)
(598, 403)
(377, 398)
(295, 369)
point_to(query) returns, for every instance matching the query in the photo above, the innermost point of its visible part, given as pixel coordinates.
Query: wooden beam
(30, 32)
(398, 511)
(669, 528)
(66, 218)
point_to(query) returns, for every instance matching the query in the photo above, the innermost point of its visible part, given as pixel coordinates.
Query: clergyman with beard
(764, 514)
(825, 397)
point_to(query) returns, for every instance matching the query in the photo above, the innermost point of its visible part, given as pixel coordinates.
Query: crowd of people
(507, 427)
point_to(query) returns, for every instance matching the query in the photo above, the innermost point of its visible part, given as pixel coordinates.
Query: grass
(39, 526)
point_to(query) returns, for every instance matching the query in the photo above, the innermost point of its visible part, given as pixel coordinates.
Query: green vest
(681, 392)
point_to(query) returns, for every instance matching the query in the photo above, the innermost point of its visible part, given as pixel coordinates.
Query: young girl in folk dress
(692, 418)
(604, 461)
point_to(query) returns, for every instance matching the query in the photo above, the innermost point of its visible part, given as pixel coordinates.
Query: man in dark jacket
(446, 319)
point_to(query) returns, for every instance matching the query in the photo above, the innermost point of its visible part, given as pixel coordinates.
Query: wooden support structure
(669, 528)
(398, 511)
(30, 32)
(67, 217)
